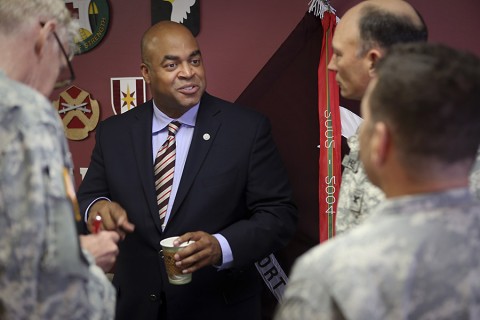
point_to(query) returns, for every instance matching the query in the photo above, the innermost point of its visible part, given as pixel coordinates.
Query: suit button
(152, 297)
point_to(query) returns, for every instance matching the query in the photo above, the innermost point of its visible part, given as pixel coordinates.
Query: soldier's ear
(373, 56)
(44, 31)
(381, 143)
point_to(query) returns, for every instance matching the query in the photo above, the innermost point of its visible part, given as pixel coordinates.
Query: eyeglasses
(63, 81)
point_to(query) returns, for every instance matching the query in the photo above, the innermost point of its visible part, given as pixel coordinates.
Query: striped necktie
(164, 168)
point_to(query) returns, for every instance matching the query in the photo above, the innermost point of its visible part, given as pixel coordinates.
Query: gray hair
(382, 28)
(15, 13)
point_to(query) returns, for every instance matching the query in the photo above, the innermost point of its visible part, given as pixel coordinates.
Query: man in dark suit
(230, 191)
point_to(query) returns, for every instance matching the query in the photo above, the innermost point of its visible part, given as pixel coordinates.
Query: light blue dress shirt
(183, 139)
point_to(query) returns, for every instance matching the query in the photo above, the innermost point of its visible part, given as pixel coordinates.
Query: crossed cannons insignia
(78, 111)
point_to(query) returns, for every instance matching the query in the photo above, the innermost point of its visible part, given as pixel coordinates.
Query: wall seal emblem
(93, 17)
(78, 111)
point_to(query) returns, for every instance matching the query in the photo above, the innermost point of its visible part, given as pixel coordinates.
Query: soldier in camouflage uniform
(417, 256)
(44, 273)
(359, 41)
(358, 196)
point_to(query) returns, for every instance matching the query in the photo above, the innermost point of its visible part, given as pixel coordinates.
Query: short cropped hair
(382, 28)
(429, 94)
(15, 13)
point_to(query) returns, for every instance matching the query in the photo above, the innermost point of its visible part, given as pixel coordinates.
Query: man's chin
(190, 101)
(189, 104)
(349, 95)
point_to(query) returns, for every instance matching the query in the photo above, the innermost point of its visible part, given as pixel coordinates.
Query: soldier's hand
(103, 247)
(205, 251)
(114, 218)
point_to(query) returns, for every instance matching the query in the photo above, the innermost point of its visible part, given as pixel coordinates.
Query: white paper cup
(175, 275)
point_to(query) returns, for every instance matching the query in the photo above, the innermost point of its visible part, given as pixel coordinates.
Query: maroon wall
(236, 39)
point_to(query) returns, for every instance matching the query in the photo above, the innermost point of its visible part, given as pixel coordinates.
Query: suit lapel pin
(206, 136)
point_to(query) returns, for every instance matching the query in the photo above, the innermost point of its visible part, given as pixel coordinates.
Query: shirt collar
(161, 120)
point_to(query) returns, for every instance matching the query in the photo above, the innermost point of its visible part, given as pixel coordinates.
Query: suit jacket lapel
(206, 128)
(141, 133)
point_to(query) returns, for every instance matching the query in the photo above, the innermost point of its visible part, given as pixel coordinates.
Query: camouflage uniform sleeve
(43, 273)
(307, 296)
(475, 176)
(358, 196)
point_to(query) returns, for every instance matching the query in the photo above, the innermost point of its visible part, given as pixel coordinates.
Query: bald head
(383, 23)
(172, 66)
(158, 34)
(363, 36)
(395, 7)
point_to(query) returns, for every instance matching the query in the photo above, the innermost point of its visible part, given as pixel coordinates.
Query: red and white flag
(287, 90)
(330, 157)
